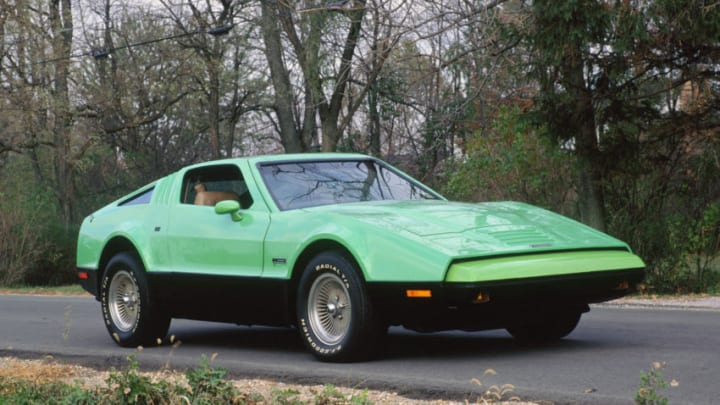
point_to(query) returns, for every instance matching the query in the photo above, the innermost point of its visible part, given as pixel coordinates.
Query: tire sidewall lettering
(107, 279)
(307, 333)
(354, 338)
(151, 323)
(315, 345)
(326, 267)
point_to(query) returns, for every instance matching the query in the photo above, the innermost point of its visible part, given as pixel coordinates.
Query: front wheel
(131, 316)
(334, 311)
(546, 329)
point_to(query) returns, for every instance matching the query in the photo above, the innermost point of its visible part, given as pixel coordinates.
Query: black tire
(131, 317)
(335, 316)
(546, 329)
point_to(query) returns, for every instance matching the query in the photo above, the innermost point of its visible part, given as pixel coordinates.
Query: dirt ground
(48, 369)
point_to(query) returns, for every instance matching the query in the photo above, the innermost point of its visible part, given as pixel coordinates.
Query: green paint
(391, 240)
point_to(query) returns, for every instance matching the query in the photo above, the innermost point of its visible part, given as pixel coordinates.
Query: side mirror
(229, 207)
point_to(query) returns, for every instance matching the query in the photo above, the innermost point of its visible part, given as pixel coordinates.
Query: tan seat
(204, 197)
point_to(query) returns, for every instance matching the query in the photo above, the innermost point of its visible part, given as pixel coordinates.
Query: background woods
(607, 111)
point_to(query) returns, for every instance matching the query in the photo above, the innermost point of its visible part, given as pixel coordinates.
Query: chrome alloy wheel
(329, 308)
(124, 301)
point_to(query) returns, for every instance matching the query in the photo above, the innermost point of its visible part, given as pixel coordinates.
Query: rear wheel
(131, 317)
(334, 311)
(546, 329)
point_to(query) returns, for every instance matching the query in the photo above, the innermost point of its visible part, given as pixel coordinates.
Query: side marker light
(83, 275)
(481, 298)
(418, 293)
(623, 285)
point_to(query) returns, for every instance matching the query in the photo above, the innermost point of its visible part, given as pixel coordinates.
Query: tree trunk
(374, 118)
(589, 163)
(214, 105)
(590, 193)
(330, 111)
(62, 30)
(289, 136)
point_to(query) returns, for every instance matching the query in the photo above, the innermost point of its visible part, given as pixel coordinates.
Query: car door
(205, 243)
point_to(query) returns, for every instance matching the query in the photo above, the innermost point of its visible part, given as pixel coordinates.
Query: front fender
(381, 255)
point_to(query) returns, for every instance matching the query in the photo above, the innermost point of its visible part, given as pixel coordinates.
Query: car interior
(207, 186)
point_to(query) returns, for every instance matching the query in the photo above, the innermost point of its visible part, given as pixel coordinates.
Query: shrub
(18, 391)
(22, 245)
(209, 386)
(512, 162)
(36, 248)
(131, 387)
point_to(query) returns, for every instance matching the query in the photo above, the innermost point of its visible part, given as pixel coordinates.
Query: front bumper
(497, 303)
(88, 280)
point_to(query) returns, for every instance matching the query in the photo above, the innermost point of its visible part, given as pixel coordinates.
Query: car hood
(465, 230)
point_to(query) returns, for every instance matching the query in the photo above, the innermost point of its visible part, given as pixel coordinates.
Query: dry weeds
(49, 370)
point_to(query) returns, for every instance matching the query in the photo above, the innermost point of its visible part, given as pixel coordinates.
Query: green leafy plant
(651, 383)
(285, 397)
(131, 387)
(360, 398)
(18, 391)
(208, 385)
(330, 395)
(703, 249)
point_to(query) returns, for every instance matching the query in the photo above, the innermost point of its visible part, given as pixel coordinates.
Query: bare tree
(35, 69)
(215, 18)
(61, 25)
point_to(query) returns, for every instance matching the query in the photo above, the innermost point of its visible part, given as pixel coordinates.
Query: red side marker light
(83, 275)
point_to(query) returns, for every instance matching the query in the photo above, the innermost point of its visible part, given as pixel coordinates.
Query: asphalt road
(599, 363)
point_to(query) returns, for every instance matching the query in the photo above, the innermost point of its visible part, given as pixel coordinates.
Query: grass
(73, 289)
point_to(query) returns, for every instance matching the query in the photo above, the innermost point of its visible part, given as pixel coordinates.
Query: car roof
(289, 157)
(295, 157)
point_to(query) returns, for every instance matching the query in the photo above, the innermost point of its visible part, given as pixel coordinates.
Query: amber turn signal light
(481, 297)
(419, 293)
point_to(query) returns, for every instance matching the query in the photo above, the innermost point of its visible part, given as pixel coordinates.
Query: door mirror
(229, 207)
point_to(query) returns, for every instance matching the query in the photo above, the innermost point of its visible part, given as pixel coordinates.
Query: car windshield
(308, 184)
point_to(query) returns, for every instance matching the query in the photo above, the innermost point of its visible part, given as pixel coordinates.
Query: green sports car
(340, 246)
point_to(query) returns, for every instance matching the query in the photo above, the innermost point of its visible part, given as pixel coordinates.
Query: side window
(210, 184)
(142, 198)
